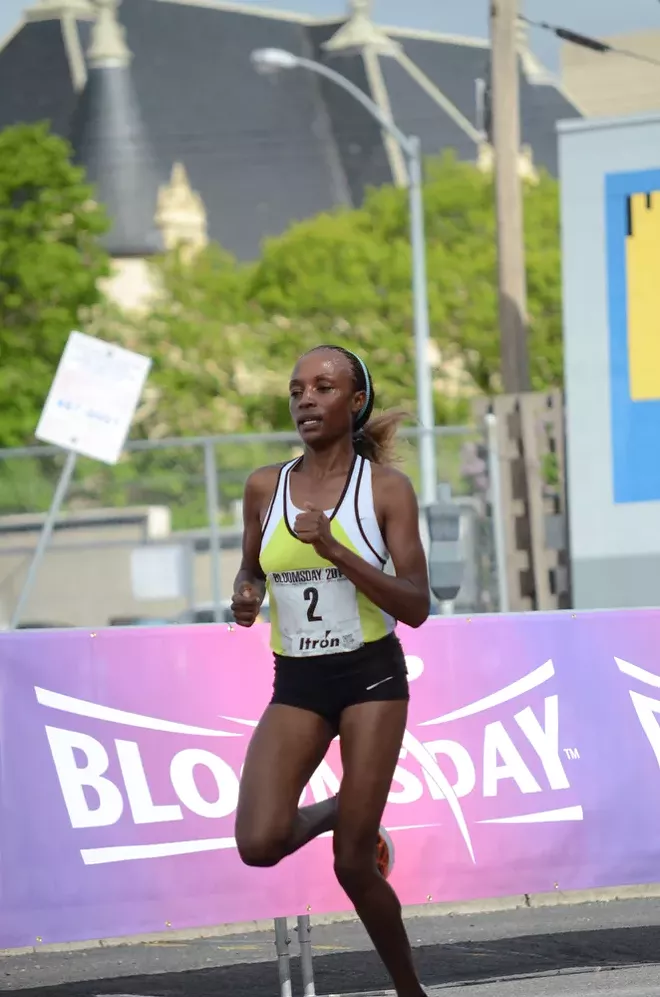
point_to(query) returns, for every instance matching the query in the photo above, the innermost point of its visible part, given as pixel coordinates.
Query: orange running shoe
(384, 853)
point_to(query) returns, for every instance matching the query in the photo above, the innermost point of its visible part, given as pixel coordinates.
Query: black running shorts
(328, 683)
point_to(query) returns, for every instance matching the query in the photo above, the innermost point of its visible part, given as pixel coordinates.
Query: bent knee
(261, 849)
(354, 862)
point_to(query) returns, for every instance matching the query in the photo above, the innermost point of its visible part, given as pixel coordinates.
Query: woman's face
(322, 397)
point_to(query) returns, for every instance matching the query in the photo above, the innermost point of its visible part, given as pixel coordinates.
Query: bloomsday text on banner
(531, 762)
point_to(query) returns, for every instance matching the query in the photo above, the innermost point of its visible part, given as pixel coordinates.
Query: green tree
(223, 336)
(357, 265)
(50, 265)
(203, 338)
(210, 374)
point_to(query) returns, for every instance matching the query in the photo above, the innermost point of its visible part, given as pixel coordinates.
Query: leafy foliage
(357, 265)
(224, 336)
(50, 264)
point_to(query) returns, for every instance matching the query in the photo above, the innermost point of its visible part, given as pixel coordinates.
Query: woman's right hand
(246, 603)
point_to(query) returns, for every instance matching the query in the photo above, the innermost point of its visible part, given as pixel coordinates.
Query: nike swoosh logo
(388, 679)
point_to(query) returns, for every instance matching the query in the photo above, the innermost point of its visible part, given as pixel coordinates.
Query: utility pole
(505, 110)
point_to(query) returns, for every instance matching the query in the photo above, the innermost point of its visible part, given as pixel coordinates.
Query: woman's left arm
(406, 595)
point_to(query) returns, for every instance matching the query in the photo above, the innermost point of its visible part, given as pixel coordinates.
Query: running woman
(317, 534)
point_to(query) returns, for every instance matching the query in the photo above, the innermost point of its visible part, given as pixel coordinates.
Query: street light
(272, 60)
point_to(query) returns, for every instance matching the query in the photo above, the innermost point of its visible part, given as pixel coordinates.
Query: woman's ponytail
(376, 440)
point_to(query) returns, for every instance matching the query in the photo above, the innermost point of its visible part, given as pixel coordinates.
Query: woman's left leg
(370, 736)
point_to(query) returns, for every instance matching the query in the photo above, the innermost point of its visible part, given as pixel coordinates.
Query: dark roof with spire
(110, 141)
(261, 151)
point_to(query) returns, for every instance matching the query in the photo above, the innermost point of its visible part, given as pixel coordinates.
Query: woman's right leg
(286, 749)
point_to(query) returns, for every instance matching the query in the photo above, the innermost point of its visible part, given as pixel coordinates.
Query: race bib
(317, 611)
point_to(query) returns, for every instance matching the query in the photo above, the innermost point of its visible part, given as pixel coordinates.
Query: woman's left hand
(313, 527)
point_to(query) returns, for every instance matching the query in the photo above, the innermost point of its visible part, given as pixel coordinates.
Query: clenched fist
(313, 527)
(245, 604)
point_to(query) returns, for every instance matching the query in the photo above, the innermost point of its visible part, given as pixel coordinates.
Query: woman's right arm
(250, 582)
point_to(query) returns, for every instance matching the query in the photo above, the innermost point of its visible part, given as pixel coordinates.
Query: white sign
(93, 398)
(159, 572)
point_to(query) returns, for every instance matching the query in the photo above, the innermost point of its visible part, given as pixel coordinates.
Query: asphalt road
(591, 950)
(639, 982)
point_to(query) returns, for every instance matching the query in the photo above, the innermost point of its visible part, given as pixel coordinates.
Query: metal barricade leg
(306, 963)
(282, 942)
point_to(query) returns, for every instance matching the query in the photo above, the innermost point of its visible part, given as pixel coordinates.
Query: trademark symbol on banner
(572, 754)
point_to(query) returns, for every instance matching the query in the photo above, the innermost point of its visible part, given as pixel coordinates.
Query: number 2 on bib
(311, 596)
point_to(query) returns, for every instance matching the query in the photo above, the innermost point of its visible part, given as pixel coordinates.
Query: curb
(487, 906)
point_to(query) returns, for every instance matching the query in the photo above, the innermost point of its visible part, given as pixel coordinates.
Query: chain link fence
(181, 498)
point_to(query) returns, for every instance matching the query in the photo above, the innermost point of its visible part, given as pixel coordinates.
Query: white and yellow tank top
(314, 608)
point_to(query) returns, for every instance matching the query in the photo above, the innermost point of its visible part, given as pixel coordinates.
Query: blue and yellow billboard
(633, 262)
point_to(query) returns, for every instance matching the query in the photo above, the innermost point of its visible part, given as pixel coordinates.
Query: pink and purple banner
(530, 763)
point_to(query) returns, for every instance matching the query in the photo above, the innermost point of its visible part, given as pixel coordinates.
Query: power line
(585, 41)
